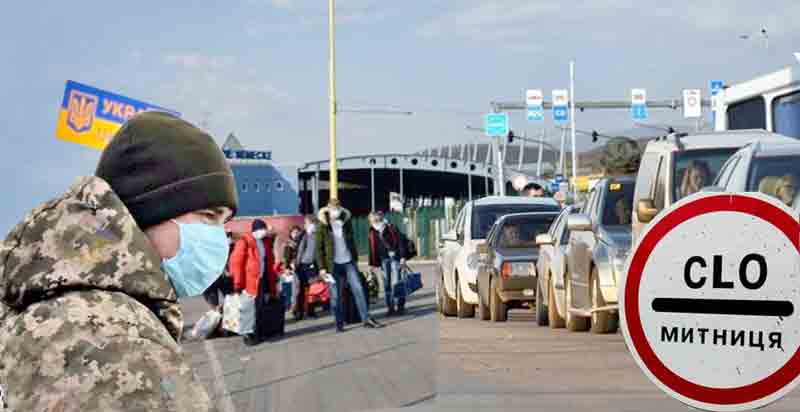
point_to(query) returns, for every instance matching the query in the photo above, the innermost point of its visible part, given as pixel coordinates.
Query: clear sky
(258, 68)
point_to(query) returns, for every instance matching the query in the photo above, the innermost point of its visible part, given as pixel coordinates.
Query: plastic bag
(239, 313)
(206, 326)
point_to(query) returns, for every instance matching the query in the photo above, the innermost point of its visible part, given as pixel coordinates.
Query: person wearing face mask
(90, 280)
(336, 254)
(252, 262)
(387, 251)
(304, 267)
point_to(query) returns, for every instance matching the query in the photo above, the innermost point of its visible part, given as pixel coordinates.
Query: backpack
(411, 247)
(622, 156)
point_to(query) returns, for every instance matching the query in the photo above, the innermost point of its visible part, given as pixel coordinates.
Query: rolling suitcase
(351, 314)
(270, 314)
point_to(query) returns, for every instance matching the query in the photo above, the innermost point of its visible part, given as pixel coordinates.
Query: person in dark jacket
(304, 265)
(387, 251)
(336, 254)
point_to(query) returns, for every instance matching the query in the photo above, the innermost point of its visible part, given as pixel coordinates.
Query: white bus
(770, 102)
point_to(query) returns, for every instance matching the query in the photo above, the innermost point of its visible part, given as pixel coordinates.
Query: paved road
(517, 366)
(313, 368)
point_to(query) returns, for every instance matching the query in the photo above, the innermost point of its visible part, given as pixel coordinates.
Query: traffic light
(510, 137)
(594, 136)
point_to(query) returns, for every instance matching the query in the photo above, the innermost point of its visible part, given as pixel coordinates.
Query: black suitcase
(351, 314)
(270, 314)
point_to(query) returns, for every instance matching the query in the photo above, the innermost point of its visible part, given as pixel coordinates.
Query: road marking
(219, 382)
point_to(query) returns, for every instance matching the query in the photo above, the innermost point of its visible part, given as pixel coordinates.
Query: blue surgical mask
(200, 260)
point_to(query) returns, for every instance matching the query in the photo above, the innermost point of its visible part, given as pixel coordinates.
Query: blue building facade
(265, 189)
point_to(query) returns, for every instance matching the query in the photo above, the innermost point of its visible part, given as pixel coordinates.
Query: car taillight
(505, 270)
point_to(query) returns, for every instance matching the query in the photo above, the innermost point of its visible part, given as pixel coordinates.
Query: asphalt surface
(518, 366)
(312, 368)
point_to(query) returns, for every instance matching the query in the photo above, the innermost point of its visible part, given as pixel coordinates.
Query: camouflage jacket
(88, 320)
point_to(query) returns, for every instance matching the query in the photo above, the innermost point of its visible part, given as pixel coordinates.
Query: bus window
(747, 114)
(786, 114)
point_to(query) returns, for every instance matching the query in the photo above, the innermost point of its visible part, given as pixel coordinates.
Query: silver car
(551, 266)
(599, 243)
(768, 167)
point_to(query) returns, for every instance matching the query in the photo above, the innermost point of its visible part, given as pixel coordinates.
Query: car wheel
(553, 318)
(483, 308)
(602, 322)
(497, 307)
(574, 323)
(447, 305)
(463, 309)
(541, 308)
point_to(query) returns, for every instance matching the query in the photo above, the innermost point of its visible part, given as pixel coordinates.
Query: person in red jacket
(252, 262)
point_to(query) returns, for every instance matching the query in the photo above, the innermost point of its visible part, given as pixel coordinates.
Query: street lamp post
(572, 119)
(334, 175)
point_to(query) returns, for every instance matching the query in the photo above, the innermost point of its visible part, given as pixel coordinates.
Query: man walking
(252, 262)
(336, 254)
(305, 270)
(387, 251)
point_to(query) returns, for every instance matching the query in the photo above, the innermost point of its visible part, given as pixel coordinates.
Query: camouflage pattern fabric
(622, 156)
(88, 320)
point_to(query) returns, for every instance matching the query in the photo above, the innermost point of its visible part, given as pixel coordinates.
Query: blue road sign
(247, 154)
(496, 124)
(559, 178)
(554, 186)
(535, 113)
(639, 112)
(716, 86)
(560, 113)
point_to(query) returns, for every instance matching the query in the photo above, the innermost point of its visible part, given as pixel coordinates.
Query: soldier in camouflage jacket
(89, 320)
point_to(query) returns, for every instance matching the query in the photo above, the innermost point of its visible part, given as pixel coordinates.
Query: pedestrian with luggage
(89, 311)
(387, 251)
(304, 266)
(252, 263)
(336, 256)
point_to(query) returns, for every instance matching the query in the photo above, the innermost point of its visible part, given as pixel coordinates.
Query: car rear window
(618, 203)
(776, 176)
(695, 169)
(483, 217)
(519, 232)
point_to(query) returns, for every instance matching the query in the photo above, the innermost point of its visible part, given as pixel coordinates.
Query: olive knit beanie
(162, 167)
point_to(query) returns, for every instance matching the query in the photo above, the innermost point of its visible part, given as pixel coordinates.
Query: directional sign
(534, 99)
(91, 116)
(710, 301)
(691, 103)
(560, 102)
(639, 104)
(496, 124)
(715, 86)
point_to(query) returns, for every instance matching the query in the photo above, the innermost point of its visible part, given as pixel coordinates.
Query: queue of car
(566, 264)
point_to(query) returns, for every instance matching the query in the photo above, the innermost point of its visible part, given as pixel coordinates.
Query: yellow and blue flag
(91, 116)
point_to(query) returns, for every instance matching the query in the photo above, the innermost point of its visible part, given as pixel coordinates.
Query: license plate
(527, 292)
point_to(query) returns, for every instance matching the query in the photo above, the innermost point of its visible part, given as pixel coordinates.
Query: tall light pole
(334, 172)
(572, 120)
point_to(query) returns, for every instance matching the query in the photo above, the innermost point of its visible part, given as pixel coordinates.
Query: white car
(771, 168)
(458, 252)
(677, 165)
